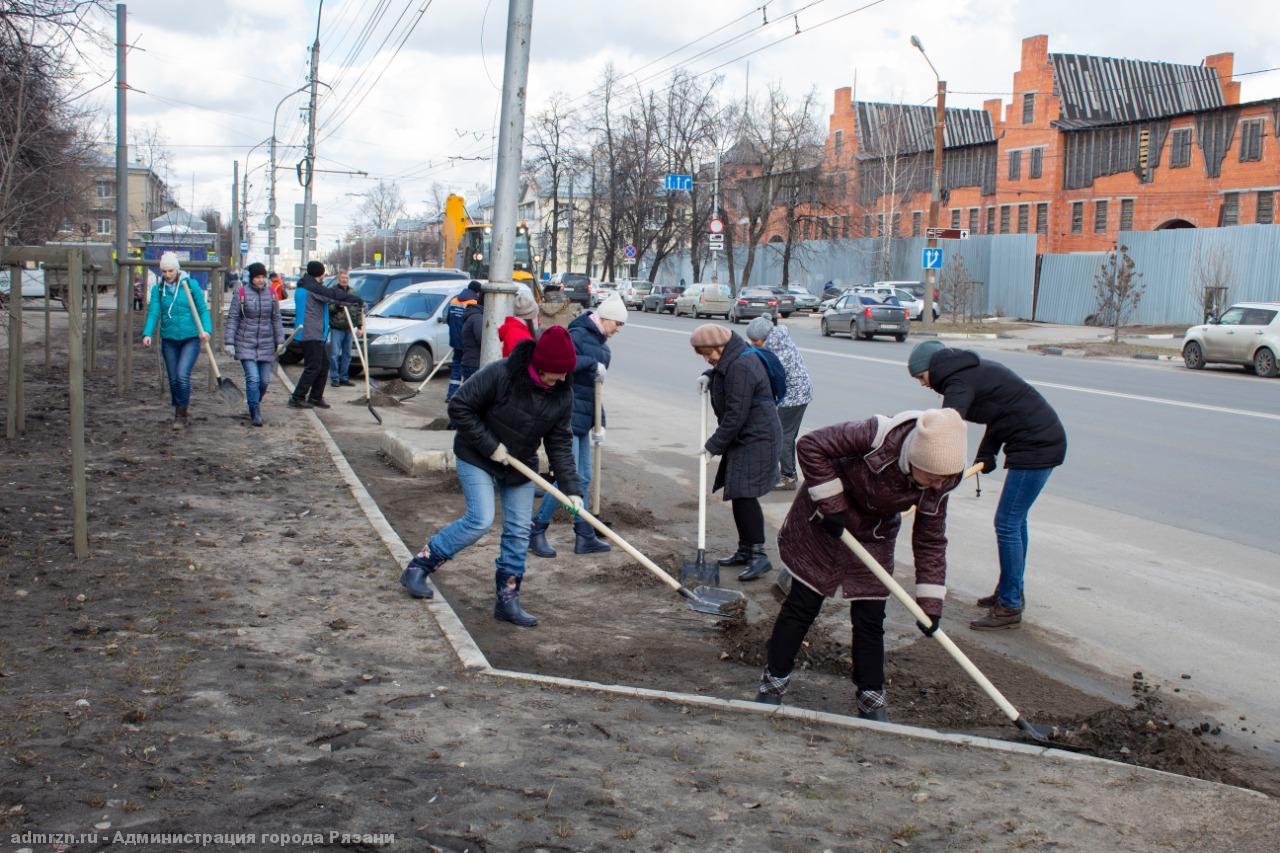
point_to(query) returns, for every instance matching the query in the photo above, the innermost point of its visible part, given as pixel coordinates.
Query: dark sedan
(754, 302)
(662, 298)
(865, 317)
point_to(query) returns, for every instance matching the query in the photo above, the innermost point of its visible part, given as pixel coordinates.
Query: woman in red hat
(506, 410)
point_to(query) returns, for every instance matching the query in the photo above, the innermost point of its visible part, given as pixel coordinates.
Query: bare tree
(892, 170)
(1119, 291)
(551, 157)
(958, 291)
(213, 221)
(1211, 281)
(382, 206)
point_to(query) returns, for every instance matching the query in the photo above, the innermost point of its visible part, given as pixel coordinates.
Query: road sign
(677, 182)
(297, 214)
(715, 241)
(947, 233)
(377, 259)
(244, 247)
(931, 259)
(629, 251)
(272, 221)
(716, 225)
(715, 247)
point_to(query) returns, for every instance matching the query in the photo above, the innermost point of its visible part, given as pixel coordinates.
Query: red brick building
(1088, 146)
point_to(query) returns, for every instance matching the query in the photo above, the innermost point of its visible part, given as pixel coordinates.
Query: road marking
(1163, 401)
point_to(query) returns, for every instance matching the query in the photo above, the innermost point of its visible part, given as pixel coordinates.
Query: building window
(826, 229)
(1028, 108)
(973, 220)
(1180, 149)
(1126, 214)
(879, 224)
(955, 217)
(991, 220)
(104, 226)
(1015, 165)
(1024, 218)
(839, 141)
(1250, 140)
(897, 224)
(1230, 214)
(1042, 218)
(1100, 217)
(1077, 217)
(1037, 163)
(866, 225)
(915, 223)
(844, 226)
(1266, 208)
(1004, 219)
(105, 189)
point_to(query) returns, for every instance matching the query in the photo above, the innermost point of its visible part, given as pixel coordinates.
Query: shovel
(725, 603)
(1040, 734)
(432, 375)
(697, 568)
(227, 389)
(364, 364)
(284, 346)
(596, 446)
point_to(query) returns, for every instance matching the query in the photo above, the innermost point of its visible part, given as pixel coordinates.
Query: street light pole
(935, 193)
(273, 221)
(311, 142)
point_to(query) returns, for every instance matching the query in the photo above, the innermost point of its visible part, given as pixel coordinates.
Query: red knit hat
(554, 352)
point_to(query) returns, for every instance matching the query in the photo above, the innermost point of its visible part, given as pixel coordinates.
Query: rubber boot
(585, 540)
(538, 543)
(771, 689)
(739, 557)
(255, 416)
(758, 564)
(414, 576)
(507, 606)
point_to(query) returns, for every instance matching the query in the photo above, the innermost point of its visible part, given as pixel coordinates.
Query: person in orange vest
(277, 286)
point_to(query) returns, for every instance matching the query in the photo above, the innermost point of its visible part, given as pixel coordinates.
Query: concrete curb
(415, 461)
(1065, 353)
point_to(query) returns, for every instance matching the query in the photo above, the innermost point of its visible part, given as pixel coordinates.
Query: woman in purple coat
(254, 331)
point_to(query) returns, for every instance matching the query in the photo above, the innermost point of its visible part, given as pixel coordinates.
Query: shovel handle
(702, 469)
(974, 469)
(448, 354)
(596, 451)
(364, 364)
(195, 315)
(280, 349)
(539, 481)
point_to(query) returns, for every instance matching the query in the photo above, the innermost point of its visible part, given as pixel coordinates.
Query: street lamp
(273, 221)
(935, 194)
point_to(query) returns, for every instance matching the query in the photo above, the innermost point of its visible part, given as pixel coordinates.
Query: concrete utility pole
(499, 292)
(935, 194)
(124, 301)
(273, 221)
(235, 215)
(309, 171)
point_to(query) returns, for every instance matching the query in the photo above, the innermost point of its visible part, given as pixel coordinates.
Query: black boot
(739, 557)
(538, 543)
(757, 564)
(872, 705)
(507, 607)
(772, 688)
(414, 576)
(585, 540)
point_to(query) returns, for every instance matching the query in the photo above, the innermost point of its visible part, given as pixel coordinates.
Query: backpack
(777, 373)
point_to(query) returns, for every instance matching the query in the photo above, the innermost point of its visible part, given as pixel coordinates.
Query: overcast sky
(210, 72)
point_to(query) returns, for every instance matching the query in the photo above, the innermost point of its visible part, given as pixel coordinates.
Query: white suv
(1247, 333)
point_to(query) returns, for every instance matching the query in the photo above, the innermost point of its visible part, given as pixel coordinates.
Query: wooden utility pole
(75, 396)
(935, 201)
(92, 336)
(124, 301)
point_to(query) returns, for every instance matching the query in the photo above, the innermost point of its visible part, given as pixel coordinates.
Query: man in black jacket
(310, 388)
(506, 410)
(1021, 422)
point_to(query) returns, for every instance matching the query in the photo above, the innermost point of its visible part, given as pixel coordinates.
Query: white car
(1247, 333)
(884, 290)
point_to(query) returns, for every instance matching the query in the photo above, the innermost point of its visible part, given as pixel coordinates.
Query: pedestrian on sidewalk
(254, 331)
(749, 438)
(472, 334)
(455, 314)
(521, 326)
(764, 333)
(180, 337)
(276, 283)
(311, 311)
(505, 411)
(860, 476)
(590, 333)
(342, 335)
(1022, 423)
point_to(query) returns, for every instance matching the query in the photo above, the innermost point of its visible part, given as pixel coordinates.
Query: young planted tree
(958, 291)
(891, 171)
(1119, 290)
(1211, 281)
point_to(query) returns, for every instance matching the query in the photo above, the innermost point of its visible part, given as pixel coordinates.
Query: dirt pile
(379, 399)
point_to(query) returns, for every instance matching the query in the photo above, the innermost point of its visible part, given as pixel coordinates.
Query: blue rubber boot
(414, 576)
(538, 543)
(507, 606)
(585, 540)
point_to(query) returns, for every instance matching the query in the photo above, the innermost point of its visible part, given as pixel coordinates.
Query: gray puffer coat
(253, 324)
(749, 435)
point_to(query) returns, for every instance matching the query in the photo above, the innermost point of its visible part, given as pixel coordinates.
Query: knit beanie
(554, 353)
(759, 329)
(710, 335)
(315, 269)
(921, 353)
(254, 270)
(169, 261)
(938, 442)
(612, 308)
(526, 308)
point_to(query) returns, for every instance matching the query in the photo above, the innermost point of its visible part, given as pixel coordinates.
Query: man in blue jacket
(311, 312)
(456, 315)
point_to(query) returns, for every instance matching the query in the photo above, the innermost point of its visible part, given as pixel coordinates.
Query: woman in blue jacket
(180, 337)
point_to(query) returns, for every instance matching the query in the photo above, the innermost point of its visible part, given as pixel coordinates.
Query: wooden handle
(596, 450)
(195, 315)
(702, 470)
(364, 363)
(973, 469)
(448, 354)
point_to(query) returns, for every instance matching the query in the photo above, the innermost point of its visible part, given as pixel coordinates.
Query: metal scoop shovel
(228, 390)
(697, 569)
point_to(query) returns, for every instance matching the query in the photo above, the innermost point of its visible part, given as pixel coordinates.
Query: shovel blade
(377, 417)
(1049, 736)
(725, 603)
(699, 571)
(229, 391)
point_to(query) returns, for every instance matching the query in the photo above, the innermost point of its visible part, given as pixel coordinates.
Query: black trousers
(749, 519)
(796, 617)
(315, 371)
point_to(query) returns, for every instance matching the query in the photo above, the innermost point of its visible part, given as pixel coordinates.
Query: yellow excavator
(468, 243)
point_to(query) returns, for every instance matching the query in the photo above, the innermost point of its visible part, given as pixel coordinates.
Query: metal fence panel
(1066, 287)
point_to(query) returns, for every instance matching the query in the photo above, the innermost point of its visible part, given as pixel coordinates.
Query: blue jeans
(257, 375)
(179, 359)
(1021, 488)
(582, 456)
(339, 354)
(478, 488)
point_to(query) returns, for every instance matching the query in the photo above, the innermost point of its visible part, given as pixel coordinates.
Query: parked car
(909, 293)
(832, 291)
(786, 302)
(829, 301)
(704, 300)
(754, 302)
(576, 286)
(600, 291)
(805, 301)
(634, 291)
(662, 298)
(1247, 333)
(864, 316)
(407, 330)
(32, 283)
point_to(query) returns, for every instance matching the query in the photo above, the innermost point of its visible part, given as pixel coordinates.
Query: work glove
(704, 382)
(230, 350)
(834, 523)
(935, 622)
(601, 371)
(575, 504)
(500, 454)
(988, 463)
(597, 436)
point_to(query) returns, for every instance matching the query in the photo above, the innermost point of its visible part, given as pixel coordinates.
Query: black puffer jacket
(1016, 416)
(501, 403)
(472, 332)
(749, 435)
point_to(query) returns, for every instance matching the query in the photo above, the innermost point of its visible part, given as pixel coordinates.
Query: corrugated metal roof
(882, 128)
(1107, 90)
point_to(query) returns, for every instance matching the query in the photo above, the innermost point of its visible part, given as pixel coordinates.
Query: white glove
(600, 371)
(704, 382)
(575, 504)
(597, 436)
(230, 350)
(500, 454)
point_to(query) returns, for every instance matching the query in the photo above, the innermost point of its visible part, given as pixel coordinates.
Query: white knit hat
(938, 443)
(526, 308)
(613, 308)
(169, 261)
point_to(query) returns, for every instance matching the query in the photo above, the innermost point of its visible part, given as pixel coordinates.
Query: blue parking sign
(931, 259)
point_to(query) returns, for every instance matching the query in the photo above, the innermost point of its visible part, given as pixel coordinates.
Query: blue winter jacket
(592, 348)
(456, 314)
(300, 316)
(169, 308)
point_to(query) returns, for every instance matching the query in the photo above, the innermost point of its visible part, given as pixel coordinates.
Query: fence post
(92, 361)
(75, 396)
(48, 343)
(15, 417)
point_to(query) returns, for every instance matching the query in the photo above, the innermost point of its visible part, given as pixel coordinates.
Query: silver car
(805, 301)
(408, 330)
(1247, 333)
(863, 316)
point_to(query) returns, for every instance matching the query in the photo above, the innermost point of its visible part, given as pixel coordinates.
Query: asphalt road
(1156, 441)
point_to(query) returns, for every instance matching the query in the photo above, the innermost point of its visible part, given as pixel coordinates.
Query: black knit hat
(255, 270)
(315, 269)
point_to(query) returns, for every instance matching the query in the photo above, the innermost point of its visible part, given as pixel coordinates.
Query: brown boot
(987, 601)
(997, 618)
(179, 417)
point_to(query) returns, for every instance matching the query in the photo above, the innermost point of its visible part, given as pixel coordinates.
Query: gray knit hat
(759, 328)
(921, 353)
